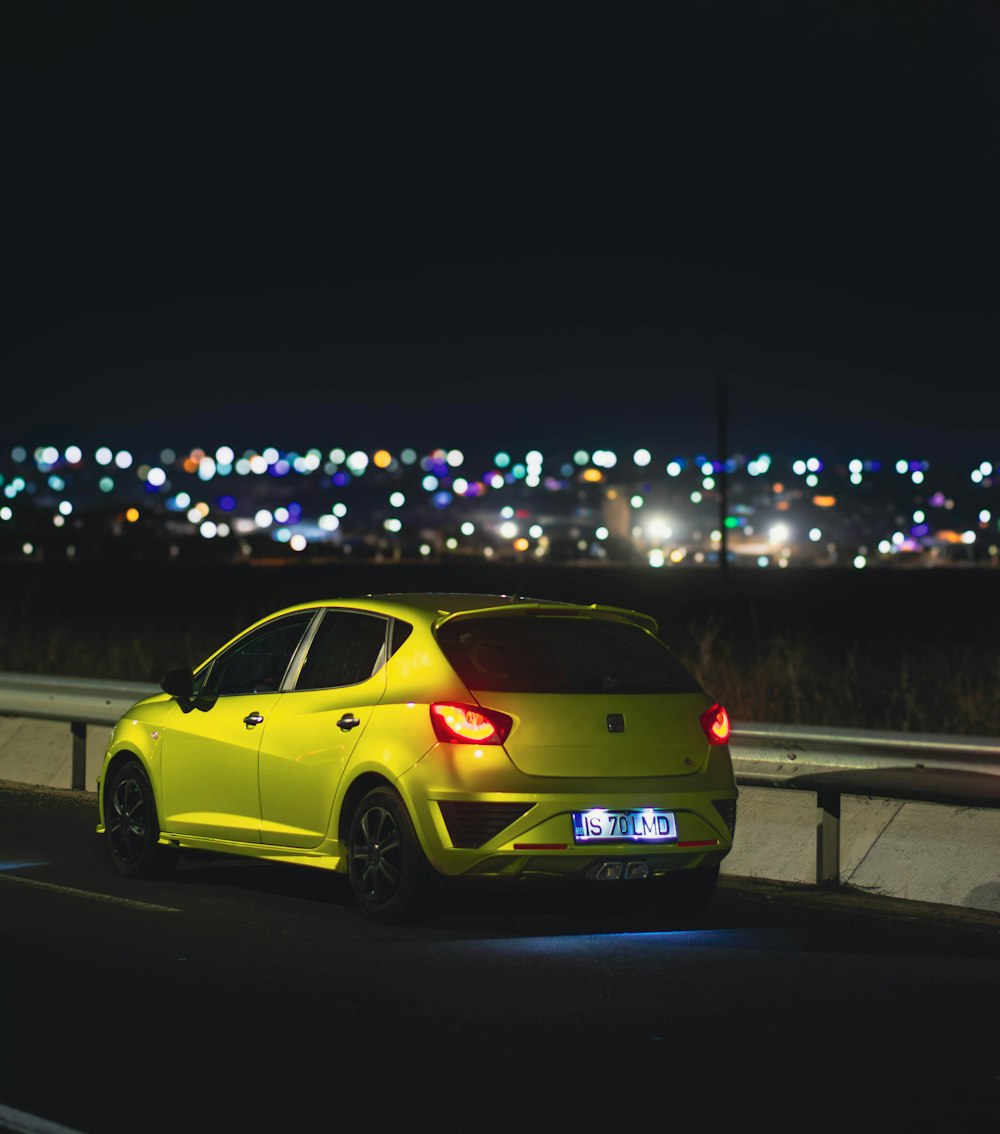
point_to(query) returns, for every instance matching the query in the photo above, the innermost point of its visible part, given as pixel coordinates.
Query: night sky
(542, 224)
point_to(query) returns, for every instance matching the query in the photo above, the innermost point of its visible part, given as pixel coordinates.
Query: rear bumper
(526, 827)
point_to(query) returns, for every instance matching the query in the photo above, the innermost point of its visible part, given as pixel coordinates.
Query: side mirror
(178, 683)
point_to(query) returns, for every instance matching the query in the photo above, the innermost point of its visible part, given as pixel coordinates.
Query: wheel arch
(358, 789)
(123, 756)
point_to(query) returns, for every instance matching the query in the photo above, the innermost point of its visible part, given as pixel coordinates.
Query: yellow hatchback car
(403, 739)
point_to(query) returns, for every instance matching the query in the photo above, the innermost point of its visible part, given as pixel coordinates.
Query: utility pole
(722, 447)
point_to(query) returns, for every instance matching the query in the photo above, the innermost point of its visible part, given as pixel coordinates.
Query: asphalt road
(242, 996)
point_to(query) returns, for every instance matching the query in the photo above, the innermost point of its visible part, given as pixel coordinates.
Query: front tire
(390, 876)
(131, 827)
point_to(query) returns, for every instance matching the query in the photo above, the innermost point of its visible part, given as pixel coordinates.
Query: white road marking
(20, 1122)
(87, 894)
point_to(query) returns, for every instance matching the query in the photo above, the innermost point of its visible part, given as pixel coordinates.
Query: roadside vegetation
(789, 675)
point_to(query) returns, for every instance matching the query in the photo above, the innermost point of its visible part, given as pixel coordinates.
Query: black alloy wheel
(389, 874)
(131, 828)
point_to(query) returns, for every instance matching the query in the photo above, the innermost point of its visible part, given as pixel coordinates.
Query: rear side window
(348, 648)
(539, 654)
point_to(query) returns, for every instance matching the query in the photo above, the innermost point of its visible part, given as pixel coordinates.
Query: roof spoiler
(557, 610)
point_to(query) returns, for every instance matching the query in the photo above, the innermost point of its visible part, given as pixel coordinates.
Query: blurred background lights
(280, 515)
(468, 528)
(381, 458)
(976, 476)
(224, 455)
(455, 457)
(65, 507)
(986, 468)
(855, 466)
(6, 513)
(860, 561)
(655, 558)
(123, 459)
(508, 529)
(329, 523)
(132, 515)
(208, 529)
(637, 501)
(815, 535)
(536, 531)
(104, 456)
(397, 499)
(49, 455)
(642, 457)
(601, 532)
(673, 469)
(985, 516)
(156, 477)
(339, 510)
(263, 518)
(393, 524)
(778, 533)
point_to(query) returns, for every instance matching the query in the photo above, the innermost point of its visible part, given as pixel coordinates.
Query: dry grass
(788, 677)
(799, 679)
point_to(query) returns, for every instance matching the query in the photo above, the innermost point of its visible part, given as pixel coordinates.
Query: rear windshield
(539, 654)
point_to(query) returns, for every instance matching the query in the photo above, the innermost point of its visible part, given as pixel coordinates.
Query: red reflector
(715, 722)
(701, 843)
(539, 846)
(469, 724)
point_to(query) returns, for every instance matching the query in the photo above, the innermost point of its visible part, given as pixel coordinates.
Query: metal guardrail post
(828, 837)
(79, 731)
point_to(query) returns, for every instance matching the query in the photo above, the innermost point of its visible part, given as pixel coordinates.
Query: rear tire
(390, 876)
(131, 827)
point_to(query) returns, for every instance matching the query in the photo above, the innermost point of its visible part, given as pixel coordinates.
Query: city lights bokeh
(641, 506)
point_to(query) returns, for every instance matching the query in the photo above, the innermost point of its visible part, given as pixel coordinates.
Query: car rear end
(583, 750)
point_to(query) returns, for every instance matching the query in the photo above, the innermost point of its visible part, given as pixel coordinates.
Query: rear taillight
(715, 722)
(456, 723)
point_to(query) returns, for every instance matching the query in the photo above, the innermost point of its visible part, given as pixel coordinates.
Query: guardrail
(832, 762)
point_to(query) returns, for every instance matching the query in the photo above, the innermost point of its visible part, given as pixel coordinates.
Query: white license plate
(633, 825)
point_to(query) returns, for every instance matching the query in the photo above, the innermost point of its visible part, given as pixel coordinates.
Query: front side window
(347, 648)
(539, 654)
(257, 662)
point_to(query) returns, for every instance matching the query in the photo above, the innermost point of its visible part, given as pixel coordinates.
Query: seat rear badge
(616, 722)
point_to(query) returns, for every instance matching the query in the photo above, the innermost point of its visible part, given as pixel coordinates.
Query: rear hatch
(592, 692)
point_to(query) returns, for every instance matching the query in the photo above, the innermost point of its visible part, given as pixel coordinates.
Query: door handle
(252, 719)
(347, 722)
